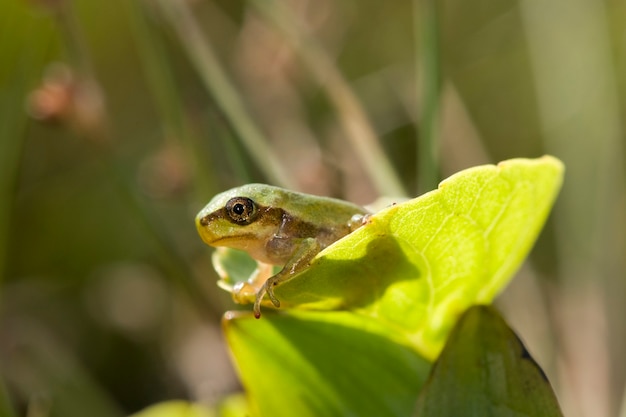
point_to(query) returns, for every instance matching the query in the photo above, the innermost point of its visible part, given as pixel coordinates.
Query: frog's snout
(202, 221)
(207, 237)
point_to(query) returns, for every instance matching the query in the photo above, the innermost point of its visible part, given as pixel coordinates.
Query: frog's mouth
(240, 241)
(230, 241)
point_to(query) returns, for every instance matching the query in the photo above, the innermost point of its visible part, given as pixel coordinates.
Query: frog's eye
(241, 210)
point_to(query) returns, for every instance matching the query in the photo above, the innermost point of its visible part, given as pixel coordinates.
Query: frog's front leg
(306, 251)
(245, 291)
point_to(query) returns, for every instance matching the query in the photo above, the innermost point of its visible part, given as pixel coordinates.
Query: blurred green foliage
(120, 119)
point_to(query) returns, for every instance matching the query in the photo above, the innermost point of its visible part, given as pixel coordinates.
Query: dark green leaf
(485, 371)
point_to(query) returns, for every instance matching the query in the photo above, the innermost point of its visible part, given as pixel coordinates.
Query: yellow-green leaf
(311, 364)
(417, 265)
(175, 409)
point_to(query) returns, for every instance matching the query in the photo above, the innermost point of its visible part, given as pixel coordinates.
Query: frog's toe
(270, 294)
(265, 289)
(257, 303)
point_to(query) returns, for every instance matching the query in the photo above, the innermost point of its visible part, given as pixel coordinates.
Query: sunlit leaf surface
(324, 364)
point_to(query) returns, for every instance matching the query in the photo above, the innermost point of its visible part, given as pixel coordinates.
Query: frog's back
(326, 209)
(275, 221)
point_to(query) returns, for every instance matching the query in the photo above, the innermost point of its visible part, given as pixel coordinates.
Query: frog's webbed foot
(267, 288)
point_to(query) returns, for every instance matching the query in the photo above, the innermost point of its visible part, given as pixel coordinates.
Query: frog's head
(241, 218)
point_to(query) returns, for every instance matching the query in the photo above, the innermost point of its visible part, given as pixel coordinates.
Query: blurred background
(119, 120)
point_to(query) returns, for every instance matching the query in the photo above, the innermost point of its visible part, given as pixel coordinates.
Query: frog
(278, 227)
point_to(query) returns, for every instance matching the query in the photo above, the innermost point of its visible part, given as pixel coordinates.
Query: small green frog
(275, 227)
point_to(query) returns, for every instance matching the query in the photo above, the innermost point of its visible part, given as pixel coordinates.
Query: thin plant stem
(24, 50)
(159, 77)
(429, 69)
(351, 115)
(216, 81)
(168, 101)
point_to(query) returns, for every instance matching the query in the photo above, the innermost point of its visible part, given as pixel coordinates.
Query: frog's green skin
(277, 227)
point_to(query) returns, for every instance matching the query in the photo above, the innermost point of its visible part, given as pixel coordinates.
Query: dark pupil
(239, 209)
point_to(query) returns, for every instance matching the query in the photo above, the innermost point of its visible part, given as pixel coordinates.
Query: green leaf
(403, 279)
(324, 364)
(175, 409)
(485, 371)
(234, 405)
(416, 266)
